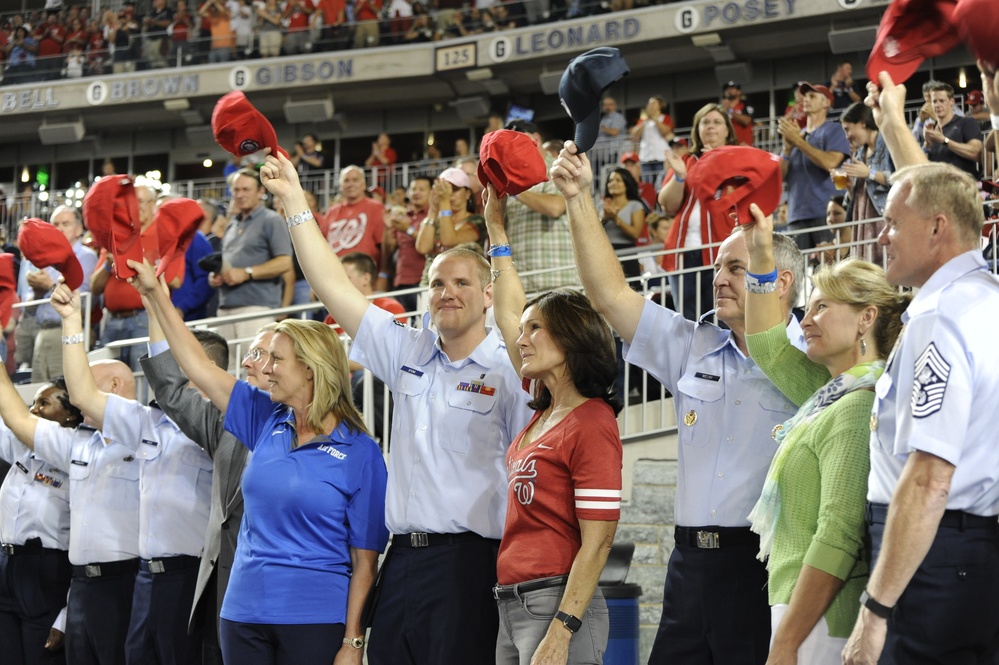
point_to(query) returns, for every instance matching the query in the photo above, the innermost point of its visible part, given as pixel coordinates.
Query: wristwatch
(249, 272)
(356, 642)
(570, 622)
(874, 606)
(946, 141)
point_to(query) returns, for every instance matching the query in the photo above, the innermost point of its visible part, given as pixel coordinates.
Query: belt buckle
(93, 570)
(419, 540)
(7, 549)
(496, 592)
(707, 540)
(157, 567)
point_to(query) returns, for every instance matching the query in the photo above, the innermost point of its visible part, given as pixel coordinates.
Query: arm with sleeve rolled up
(598, 265)
(549, 205)
(766, 320)
(320, 264)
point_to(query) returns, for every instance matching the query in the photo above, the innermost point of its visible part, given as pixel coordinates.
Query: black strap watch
(570, 622)
(874, 606)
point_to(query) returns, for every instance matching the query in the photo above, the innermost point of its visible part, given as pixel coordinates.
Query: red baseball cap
(821, 89)
(910, 32)
(111, 211)
(510, 160)
(45, 246)
(241, 129)
(630, 157)
(976, 97)
(176, 222)
(977, 22)
(733, 176)
(8, 289)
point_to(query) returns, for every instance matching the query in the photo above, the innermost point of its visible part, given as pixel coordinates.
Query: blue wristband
(445, 213)
(678, 178)
(761, 279)
(499, 250)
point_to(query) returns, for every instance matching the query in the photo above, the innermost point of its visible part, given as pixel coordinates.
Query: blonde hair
(861, 284)
(319, 349)
(938, 188)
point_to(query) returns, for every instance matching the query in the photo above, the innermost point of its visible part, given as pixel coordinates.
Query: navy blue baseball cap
(582, 86)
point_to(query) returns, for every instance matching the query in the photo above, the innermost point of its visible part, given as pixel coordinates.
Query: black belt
(877, 513)
(127, 566)
(30, 546)
(432, 539)
(168, 564)
(511, 591)
(715, 537)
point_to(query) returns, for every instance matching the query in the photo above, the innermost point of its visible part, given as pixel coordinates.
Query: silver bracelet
(73, 339)
(295, 220)
(497, 273)
(761, 287)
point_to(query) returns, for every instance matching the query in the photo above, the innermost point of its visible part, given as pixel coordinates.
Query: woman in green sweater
(810, 516)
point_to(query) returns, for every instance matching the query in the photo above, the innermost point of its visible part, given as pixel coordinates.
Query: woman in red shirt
(692, 289)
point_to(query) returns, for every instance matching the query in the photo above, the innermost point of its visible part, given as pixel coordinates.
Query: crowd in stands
(71, 40)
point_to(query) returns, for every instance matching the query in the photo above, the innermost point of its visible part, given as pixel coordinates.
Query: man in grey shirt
(256, 252)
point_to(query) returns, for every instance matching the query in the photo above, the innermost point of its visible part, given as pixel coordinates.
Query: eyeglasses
(256, 354)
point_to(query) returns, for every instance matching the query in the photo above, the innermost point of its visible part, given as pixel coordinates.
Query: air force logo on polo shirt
(333, 452)
(931, 374)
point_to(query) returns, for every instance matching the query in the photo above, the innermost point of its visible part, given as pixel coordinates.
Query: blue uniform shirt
(726, 409)
(34, 498)
(939, 392)
(451, 426)
(104, 491)
(304, 508)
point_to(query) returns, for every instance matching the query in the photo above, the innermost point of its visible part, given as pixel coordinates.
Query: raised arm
(596, 261)
(763, 310)
(80, 383)
(319, 262)
(15, 414)
(508, 291)
(888, 104)
(213, 380)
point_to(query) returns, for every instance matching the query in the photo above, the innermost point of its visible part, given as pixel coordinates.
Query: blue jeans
(129, 327)
(524, 621)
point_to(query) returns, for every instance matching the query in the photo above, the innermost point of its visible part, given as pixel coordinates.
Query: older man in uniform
(715, 606)
(174, 490)
(933, 595)
(104, 517)
(458, 405)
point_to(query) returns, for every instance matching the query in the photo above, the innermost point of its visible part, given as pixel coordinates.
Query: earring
(863, 346)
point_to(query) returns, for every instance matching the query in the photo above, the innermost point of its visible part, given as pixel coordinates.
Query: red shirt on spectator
(355, 227)
(297, 12)
(368, 10)
(50, 38)
(334, 11)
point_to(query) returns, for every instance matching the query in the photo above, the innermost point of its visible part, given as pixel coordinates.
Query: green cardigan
(823, 483)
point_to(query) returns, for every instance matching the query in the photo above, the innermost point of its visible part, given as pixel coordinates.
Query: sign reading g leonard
(532, 44)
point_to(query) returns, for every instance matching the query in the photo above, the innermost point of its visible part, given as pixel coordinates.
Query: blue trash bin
(622, 604)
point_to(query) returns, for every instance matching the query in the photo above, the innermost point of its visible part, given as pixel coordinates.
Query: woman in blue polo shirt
(314, 490)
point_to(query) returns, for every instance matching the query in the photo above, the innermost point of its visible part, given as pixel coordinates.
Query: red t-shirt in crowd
(119, 295)
(569, 473)
(409, 263)
(298, 19)
(355, 227)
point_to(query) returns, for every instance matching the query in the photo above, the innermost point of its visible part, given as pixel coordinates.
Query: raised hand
(571, 173)
(65, 301)
(279, 175)
(759, 236)
(144, 280)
